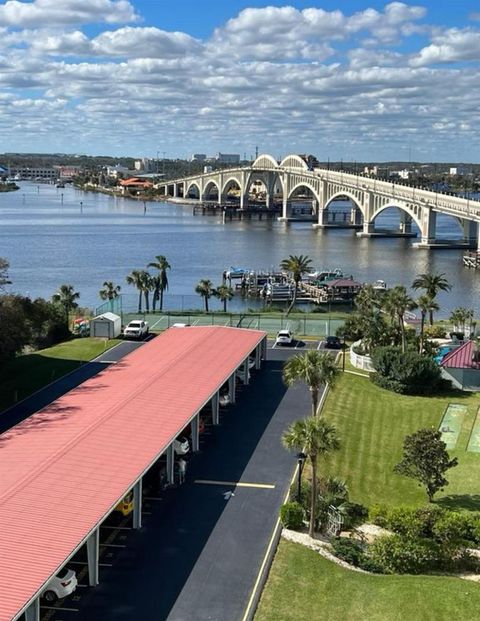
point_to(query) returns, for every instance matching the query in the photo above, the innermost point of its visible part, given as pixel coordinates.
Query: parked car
(181, 445)
(61, 585)
(136, 329)
(224, 400)
(284, 337)
(240, 375)
(333, 342)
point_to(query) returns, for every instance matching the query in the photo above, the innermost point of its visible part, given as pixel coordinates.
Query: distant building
(117, 171)
(198, 157)
(146, 164)
(27, 172)
(400, 174)
(457, 170)
(135, 185)
(68, 172)
(227, 158)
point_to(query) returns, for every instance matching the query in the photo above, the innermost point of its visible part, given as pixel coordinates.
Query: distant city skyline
(345, 80)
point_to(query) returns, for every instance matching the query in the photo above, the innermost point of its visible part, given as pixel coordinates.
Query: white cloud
(54, 12)
(144, 43)
(450, 46)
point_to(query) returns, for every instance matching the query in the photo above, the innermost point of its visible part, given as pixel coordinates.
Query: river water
(54, 235)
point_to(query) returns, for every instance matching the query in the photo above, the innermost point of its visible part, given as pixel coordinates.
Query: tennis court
(474, 441)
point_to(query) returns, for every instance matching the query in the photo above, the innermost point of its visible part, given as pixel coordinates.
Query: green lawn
(304, 585)
(372, 423)
(26, 374)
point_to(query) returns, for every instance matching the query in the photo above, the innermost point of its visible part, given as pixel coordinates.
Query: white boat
(379, 285)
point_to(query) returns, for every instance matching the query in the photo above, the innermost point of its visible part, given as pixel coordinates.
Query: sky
(352, 80)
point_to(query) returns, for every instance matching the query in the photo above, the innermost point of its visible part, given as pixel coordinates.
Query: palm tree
(109, 292)
(367, 300)
(161, 282)
(297, 266)
(431, 284)
(425, 305)
(460, 316)
(146, 285)
(396, 303)
(66, 296)
(205, 289)
(316, 369)
(224, 293)
(135, 279)
(315, 438)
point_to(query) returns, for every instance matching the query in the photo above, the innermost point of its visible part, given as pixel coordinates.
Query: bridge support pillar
(405, 223)
(471, 232)
(368, 230)
(243, 201)
(322, 219)
(175, 190)
(284, 216)
(269, 200)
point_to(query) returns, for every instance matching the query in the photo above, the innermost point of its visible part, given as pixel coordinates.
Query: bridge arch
(410, 212)
(231, 183)
(191, 186)
(207, 190)
(347, 194)
(265, 161)
(308, 186)
(294, 161)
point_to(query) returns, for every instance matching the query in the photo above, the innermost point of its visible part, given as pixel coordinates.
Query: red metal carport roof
(64, 468)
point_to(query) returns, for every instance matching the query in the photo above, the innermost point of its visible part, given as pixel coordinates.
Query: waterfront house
(462, 366)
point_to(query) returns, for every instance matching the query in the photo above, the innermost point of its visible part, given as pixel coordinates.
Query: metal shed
(107, 326)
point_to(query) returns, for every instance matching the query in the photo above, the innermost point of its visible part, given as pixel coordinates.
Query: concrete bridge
(291, 179)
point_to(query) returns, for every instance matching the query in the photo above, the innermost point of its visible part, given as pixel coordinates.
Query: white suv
(63, 584)
(136, 329)
(284, 337)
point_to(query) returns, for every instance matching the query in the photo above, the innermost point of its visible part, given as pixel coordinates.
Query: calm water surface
(49, 242)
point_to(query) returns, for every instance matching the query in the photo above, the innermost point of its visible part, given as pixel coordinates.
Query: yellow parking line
(236, 484)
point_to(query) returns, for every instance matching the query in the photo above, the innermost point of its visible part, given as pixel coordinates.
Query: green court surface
(474, 442)
(316, 326)
(452, 423)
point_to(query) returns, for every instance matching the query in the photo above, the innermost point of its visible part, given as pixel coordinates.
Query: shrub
(405, 555)
(435, 332)
(349, 550)
(291, 515)
(378, 514)
(429, 515)
(405, 521)
(354, 513)
(405, 372)
(455, 529)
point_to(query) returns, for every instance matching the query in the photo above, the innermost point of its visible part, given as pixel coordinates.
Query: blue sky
(364, 80)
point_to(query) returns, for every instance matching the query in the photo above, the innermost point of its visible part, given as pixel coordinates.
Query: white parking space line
(146, 513)
(112, 545)
(59, 608)
(151, 498)
(195, 322)
(82, 586)
(158, 321)
(319, 344)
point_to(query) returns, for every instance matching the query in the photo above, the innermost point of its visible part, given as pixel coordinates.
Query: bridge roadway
(370, 197)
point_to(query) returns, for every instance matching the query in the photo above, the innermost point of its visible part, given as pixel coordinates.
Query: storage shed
(107, 326)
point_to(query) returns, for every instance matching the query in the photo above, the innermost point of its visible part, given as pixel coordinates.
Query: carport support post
(92, 557)
(245, 371)
(32, 613)
(264, 349)
(258, 356)
(215, 408)
(195, 434)
(231, 388)
(171, 464)
(137, 504)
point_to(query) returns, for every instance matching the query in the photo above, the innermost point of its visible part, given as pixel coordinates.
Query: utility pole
(163, 166)
(256, 152)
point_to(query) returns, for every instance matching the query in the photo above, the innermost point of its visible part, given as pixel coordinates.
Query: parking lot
(199, 551)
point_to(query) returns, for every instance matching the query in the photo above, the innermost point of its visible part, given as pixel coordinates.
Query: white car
(284, 337)
(224, 400)
(240, 375)
(63, 584)
(136, 329)
(181, 446)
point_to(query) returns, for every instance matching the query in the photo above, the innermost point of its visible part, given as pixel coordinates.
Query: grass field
(304, 585)
(26, 374)
(372, 424)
